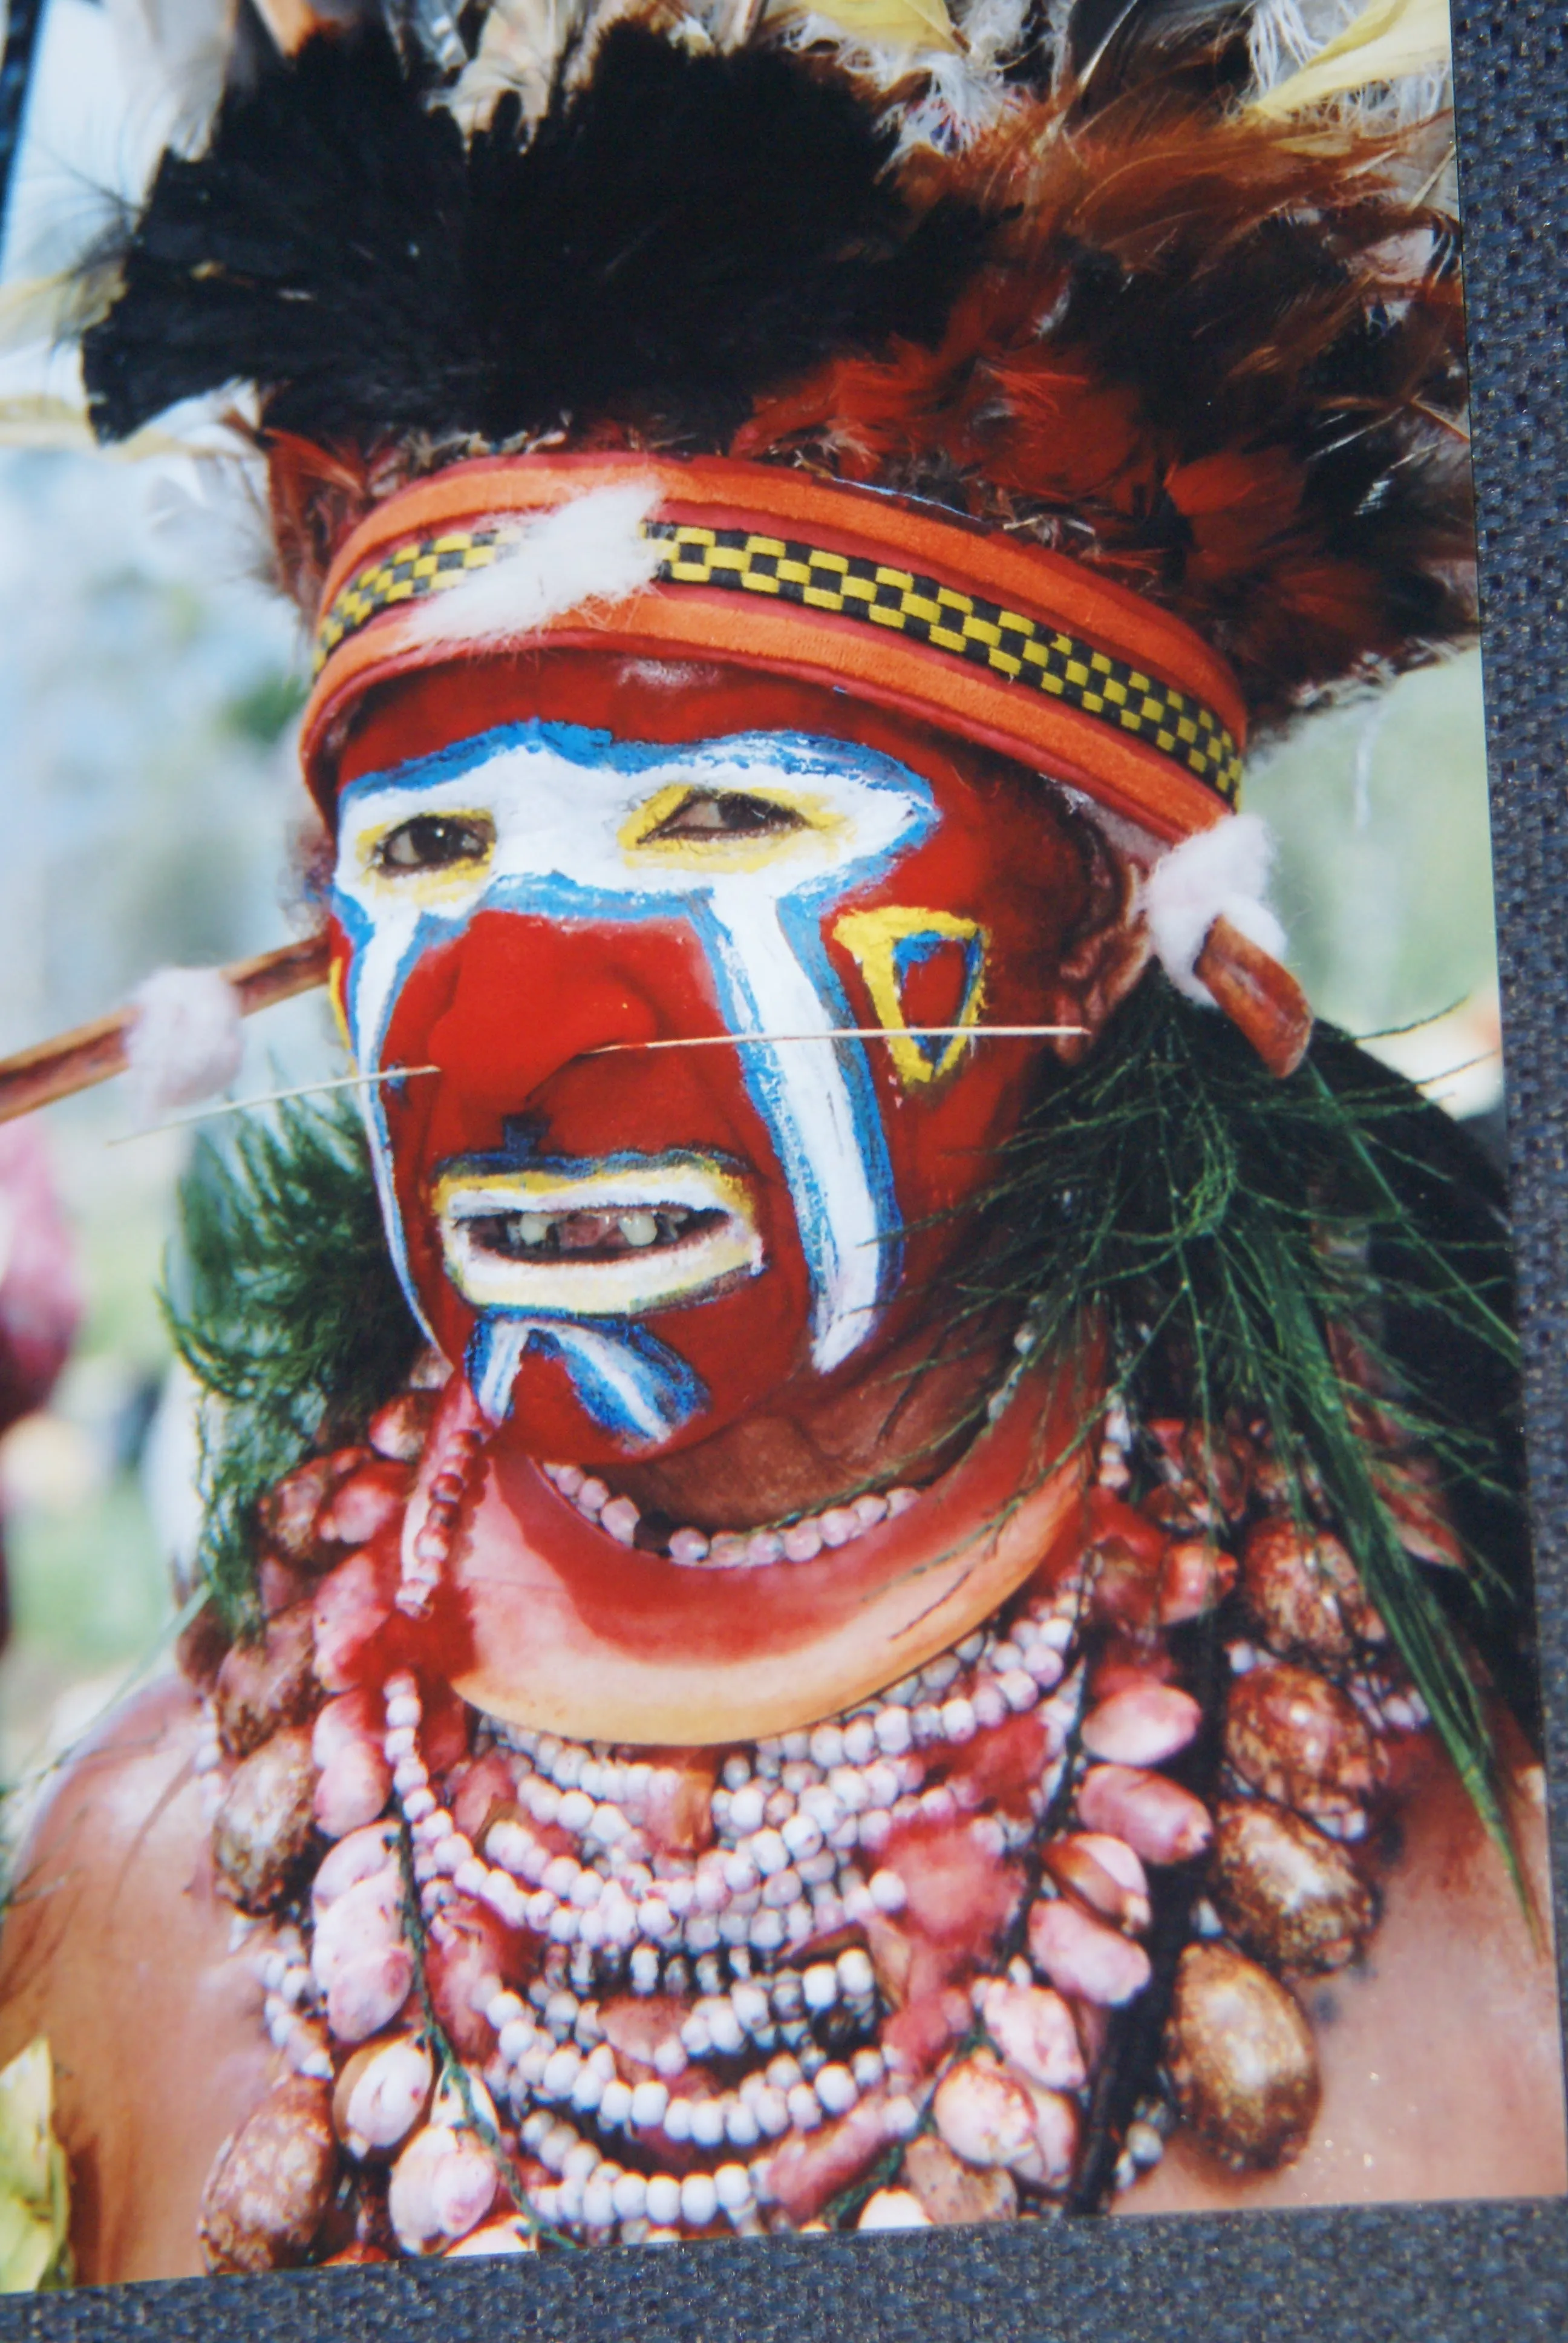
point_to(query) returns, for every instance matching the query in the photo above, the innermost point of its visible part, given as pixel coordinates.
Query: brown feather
(1219, 358)
(1215, 358)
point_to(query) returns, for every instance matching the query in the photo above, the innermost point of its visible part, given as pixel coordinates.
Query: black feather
(676, 237)
(1092, 27)
(1114, 44)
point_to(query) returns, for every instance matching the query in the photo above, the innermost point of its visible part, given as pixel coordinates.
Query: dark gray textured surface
(1431, 2275)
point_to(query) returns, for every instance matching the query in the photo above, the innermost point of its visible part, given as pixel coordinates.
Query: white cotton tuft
(184, 1041)
(1223, 870)
(590, 550)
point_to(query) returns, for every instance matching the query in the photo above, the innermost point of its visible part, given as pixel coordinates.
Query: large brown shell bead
(264, 1826)
(272, 2181)
(1287, 1894)
(265, 1685)
(1241, 2059)
(1302, 1589)
(1296, 1738)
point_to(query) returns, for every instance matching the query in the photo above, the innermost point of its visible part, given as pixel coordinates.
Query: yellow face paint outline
(872, 940)
(721, 851)
(337, 977)
(632, 1285)
(447, 884)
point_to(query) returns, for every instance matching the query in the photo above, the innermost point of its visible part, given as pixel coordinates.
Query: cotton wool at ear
(185, 1042)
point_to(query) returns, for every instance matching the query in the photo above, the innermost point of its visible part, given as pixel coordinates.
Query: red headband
(913, 608)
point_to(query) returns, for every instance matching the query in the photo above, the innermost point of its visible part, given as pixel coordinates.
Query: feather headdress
(1095, 281)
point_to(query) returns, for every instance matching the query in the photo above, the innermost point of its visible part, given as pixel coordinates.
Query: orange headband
(912, 608)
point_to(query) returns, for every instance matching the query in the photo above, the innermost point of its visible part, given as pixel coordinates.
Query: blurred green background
(149, 688)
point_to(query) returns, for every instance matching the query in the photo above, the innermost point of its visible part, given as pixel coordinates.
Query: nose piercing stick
(271, 1098)
(93, 1053)
(847, 1033)
(609, 1050)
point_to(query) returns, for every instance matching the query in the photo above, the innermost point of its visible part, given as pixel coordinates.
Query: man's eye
(436, 842)
(727, 813)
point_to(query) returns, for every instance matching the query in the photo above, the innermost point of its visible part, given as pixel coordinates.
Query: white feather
(1376, 61)
(520, 48)
(1223, 870)
(172, 56)
(591, 551)
(969, 91)
(1282, 36)
(184, 1041)
(527, 45)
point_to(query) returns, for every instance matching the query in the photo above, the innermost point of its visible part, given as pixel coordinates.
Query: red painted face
(542, 859)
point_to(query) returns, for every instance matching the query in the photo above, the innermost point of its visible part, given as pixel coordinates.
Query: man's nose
(531, 995)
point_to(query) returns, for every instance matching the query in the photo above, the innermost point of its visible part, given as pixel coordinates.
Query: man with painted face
(722, 1275)
(851, 1667)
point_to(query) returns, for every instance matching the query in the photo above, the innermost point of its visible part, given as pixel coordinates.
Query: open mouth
(582, 1236)
(606, 1241)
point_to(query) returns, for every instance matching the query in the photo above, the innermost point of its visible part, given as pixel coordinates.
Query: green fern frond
(1223, 1229)
(282, 1301)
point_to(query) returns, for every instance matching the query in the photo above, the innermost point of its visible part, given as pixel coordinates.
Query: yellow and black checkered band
(409, 574)
(1029, 652)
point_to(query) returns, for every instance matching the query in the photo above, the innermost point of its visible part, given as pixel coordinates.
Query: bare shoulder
(1441, 2054)
(116, 1947)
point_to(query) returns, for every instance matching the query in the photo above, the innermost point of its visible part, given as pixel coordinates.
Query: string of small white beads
(798, 1823)
(439, 1848)
(1025, 1342)
(803, 1541)
(425, 1564)
(799, 1828)
(555, 2065)
(206, 1761)
(1389, 1707)
(291, 2003)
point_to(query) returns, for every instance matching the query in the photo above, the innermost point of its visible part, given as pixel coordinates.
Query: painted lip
(610, 1240)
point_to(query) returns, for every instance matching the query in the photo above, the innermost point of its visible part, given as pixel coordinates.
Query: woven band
(913, 609)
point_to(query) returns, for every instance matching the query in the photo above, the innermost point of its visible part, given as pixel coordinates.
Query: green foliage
(1217, 1225)
(283, 1303)
(263, 713)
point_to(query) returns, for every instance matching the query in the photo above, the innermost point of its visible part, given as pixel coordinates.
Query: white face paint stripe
(830, 1156)
(559, 801)
(634, 1385)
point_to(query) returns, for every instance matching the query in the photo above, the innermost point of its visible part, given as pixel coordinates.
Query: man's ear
(1107, 953)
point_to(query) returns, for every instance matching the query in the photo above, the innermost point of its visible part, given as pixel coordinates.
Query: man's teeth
(591, 1231)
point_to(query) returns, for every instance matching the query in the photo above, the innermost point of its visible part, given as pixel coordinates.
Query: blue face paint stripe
(358, 927)
(801, 754)
(761, 1072)
(575, 744)
(631, 1384)
(914, 951)
(494, 1354)
(554, 896)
